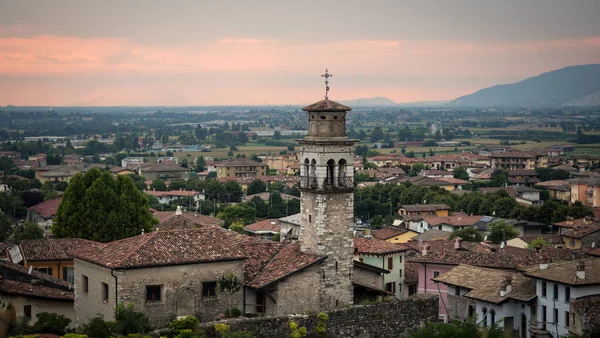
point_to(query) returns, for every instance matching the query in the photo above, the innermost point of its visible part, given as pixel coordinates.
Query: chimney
(36, 282)
(425, 249)
(587, 220)
(580, 269)
(457, 242)
(507, 284)
(543, 262)
(569, 220)
(178, 211)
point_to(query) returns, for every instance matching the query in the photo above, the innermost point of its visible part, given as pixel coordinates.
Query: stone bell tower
(327, 198)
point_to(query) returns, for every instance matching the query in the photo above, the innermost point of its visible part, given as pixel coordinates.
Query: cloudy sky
(201, 52)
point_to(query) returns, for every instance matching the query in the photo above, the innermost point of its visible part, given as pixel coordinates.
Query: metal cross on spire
(326, 76)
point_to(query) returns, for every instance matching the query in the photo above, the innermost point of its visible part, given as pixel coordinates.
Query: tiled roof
(185, 193)
(453, 220)
(162, 168)
(240, 163)
(424, 207)
(453, 180)
(288, 261)
(583, 228)
(161, 248)
(46, 209)
(485, 284)
(548, 238)
(36, 291)
(524, 172)
(169, 220)
(9, 268)
(389, 232)
(485, 255)
(326, 106)
(52, 249)
(375, 246)
(565, 272)
(267, 225)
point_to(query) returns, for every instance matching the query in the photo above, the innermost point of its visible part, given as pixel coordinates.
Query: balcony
(329, 184)
(589, 191)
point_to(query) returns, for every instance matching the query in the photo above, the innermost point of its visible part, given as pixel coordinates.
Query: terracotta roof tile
(267, 225)
(160, 248)
(588, 307)
(565, 272)
(326, 106)
(46, 209)
(288, 261)
(584, 228)
(452, 220)
(485, 284)
(424, 207)
(52, 249)
(375, 246)
(389, 232)
(37, 291)
(548, 238)
(169, 220)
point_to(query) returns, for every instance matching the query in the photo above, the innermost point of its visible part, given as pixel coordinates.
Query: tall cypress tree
(98, 207)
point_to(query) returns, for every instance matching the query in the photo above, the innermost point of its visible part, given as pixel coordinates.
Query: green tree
(102, 208)
(200, 164)
(176, 184)
(376, 134)
(128, 320)
(27, 230)
(460, 173)
(6, 227)
(261, 207)
(256, 186)
(61, 186)
(321, 328)
(48, 191)
(158, 185)
(229, 283)
(276, 205)
(237, 213)
(499, 178)
(237, 227)
(52, 323)
(297, 332)
(538, 242)
(438, 135)
(500, 231)
(277, 135)
(468, 234)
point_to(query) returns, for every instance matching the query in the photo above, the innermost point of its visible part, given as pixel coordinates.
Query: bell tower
(327, 198)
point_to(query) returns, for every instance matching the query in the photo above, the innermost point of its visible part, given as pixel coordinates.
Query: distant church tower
(327, 198)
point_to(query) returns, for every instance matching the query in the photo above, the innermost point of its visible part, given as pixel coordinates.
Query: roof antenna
(326, 76)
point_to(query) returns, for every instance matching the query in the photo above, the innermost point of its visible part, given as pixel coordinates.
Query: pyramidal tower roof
(326, 105)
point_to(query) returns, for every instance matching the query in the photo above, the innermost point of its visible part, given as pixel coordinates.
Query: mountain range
(569, 86)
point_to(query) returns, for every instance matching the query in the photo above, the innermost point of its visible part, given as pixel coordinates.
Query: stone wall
(382, 320)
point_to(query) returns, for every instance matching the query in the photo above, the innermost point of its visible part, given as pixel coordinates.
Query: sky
(255, 52)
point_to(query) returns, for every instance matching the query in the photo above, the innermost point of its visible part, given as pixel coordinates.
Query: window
(47, 271)
(153, 293)
(555, 291)
(492, 316)
(567, 318)
(435, 274)
(104, 292)
(27, 311)
(457, 290)
(567, 294)
(84, 284)
(544, 316)
(209, 289)
(555, 316)
(309, 218)
(484, 319)
(412, 289)
(400, 259)
(543, 289)
(390, 287)
(390, 263)
(68, 274)
(400, 273)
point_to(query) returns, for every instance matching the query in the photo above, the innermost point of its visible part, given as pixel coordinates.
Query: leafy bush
(128, 320)
(186, 334)
(221, 329)
(179, 325)
(51, 323)
(297, 332)
(75, 335)
(97, 327)
(322, 325)
(233, 313)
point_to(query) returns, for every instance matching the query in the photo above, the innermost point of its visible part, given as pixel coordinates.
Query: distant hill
(575, 85)
(373, 101)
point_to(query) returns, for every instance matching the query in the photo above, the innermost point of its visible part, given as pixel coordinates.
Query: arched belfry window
(342, 172)
(312, 172)
(330, 172)
(306, 168)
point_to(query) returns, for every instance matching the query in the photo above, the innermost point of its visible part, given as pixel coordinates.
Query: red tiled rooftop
(46, 209)
(326, 106)
(375, 246)
(185, 193)
(37, 291)
(424, 207)
(389, 232)
(288, 261)
(169, 220)
(452, 220)
(267, 225)
(52, 249)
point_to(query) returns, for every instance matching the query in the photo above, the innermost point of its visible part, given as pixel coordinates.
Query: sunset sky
(147, 52)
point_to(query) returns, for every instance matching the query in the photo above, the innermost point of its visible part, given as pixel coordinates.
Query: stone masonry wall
(382, 320)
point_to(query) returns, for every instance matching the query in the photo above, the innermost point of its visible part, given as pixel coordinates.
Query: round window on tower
(335, 117)
(323, 117)
(312, 117)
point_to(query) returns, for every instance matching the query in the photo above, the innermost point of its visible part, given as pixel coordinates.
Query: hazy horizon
(236, 53)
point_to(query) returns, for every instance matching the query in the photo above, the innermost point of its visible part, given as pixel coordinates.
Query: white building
(557, 284)
(188, 196)
(132, 162)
